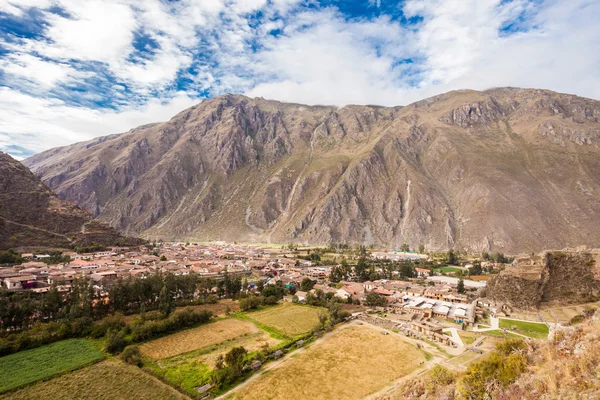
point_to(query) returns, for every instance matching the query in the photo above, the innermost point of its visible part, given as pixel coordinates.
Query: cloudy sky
(71, 70)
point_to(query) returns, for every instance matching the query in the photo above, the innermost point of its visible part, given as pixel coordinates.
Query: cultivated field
(107, 380)
(26, 367)
(291, 319)
(251, 343)
(192, 369)
(350, 363)
(197, 338)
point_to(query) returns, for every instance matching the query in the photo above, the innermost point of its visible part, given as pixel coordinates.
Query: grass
(23, 368)
(188, 370)
(105, 380)
(197, 338)
(349, 363)
(468, 337)
(290, 319)
(463, 359)
(530, 329)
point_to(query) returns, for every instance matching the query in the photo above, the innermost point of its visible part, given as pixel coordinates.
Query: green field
(532, 329)
(26, 367)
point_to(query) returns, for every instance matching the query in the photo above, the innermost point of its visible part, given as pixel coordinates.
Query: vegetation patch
(26, 367)
(197, 338)
(291, 319)
(105, 380)
(531, 329)
(193, 369)
(363, 359)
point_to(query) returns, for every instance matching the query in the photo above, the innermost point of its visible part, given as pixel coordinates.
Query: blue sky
(71, 70)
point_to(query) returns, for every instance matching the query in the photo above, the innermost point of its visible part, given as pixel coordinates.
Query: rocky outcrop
(480, 113)
(32, 215)
(507, 169)
(553, 277)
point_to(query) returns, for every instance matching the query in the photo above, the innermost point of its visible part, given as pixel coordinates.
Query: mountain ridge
(32, 215)
(432, 172)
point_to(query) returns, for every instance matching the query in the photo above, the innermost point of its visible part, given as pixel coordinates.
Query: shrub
(440, 376)
(132, 355)
(115, 342)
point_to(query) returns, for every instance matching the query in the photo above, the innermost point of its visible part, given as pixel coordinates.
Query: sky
(72, 70)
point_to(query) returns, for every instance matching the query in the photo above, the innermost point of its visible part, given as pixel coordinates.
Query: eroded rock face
(507, 169)
(480, 113)
(553, 277)
(32, 215)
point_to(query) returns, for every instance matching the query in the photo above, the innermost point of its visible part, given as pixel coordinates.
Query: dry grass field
(107, 380)
(350, 363)
(288, 318)
(197, 338)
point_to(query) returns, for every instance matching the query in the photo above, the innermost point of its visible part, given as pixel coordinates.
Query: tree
(452, 257)
(362, 268)
(163, 258)
(421, 248)
(306, 285)
(461, 286)
(272, 291)
(407, 270)
(476, 269)
(405, 248)
(375, 300)
(165, 302)
(235, 359)
(336, 274)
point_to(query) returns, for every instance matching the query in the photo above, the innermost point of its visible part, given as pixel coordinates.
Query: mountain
(32, 215)
(505, 169)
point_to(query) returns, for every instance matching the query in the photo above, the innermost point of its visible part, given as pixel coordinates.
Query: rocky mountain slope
(505, 169)
(32, 215)
(553, 277)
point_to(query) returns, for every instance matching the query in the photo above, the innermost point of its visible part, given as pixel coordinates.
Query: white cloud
(319, 56)
(95, 30)
(17, 7)
(35, 70)
(38, 124)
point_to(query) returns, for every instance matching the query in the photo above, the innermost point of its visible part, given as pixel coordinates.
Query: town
(227, 313)
(419, 296)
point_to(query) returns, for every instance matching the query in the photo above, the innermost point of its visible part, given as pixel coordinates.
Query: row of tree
(19, 310)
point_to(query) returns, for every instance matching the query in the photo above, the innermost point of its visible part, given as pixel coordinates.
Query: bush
(132, 355)
(439, 376)
(251, 302)
(116, 342)
(501, 367)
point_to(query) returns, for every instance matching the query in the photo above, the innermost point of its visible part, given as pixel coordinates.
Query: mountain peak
(496, 169)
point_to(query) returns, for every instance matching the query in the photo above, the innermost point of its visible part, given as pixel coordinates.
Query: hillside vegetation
(565, 367)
